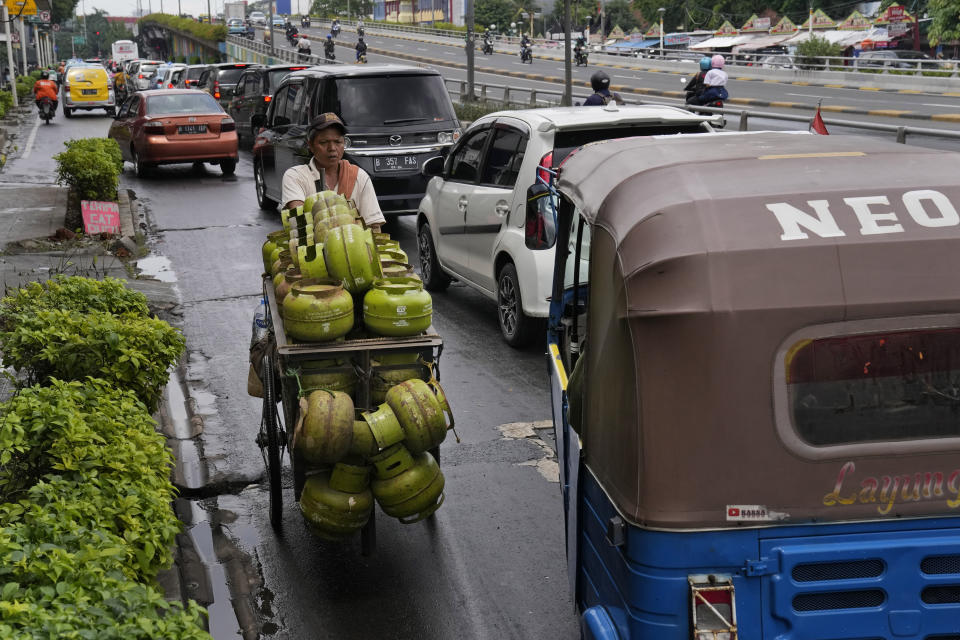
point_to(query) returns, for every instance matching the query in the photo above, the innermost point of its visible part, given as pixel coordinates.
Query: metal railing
(513, 97)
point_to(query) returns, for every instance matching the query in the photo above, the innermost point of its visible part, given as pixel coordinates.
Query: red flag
(817, 125)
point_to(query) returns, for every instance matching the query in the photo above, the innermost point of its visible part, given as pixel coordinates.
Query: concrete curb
(943, 117)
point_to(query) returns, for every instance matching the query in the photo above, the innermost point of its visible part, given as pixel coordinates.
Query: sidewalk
(34, 246)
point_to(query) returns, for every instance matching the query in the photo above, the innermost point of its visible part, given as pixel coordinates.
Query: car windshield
(274, 78)
(182, 103)
(194, 72)
(412, 99)
(234, 22)
(147, 69)
(230, 76)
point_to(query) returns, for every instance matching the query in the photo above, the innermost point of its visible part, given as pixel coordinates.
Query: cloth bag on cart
(255, 374)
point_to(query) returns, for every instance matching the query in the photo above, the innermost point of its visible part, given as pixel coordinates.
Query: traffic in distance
(654, 252)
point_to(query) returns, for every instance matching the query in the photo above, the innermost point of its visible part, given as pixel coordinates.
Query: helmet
(599, 80)
(705, 63)
(329, 37)
(44, 75)
(716, 61)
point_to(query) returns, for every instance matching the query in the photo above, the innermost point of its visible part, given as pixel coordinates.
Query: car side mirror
(256, 121)
(433, 167)
(540, 229)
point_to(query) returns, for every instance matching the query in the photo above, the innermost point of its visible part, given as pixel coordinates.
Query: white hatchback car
(470, 224)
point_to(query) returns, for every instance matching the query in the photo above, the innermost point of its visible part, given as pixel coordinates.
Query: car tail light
(543, 170)
(169, 85)
(228, 125)
(140, 76)
(216, 89)
(267, 98)
(153, 128)
(713, 607)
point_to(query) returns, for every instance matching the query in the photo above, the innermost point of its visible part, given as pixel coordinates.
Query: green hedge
(72, 293)
(91, 167)
(86, 522)
(202, 31)
(6, 102)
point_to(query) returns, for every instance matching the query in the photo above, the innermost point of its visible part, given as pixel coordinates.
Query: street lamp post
(660, 11)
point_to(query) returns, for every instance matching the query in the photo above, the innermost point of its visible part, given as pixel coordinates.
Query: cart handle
(441, 397)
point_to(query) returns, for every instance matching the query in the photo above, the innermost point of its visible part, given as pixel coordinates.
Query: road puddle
(157, 267)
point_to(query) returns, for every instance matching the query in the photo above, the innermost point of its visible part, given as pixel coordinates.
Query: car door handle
(502, 209)
(462, 204)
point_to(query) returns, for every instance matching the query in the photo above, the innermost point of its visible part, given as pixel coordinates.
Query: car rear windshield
(567, 140)
(182, 103)
(146, 68)
(230, 76)
(274, 78)
(899, 385)
(195, 72)
(412, 100)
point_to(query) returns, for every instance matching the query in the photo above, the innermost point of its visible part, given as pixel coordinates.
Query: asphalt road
(491, 564)
(444, 54)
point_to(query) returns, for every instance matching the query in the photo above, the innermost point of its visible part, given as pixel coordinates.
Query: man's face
(327, 147)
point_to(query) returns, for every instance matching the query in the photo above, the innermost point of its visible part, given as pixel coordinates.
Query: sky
(129, 7)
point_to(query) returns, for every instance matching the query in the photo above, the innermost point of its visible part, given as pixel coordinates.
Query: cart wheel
(368, 536)
(271, 425)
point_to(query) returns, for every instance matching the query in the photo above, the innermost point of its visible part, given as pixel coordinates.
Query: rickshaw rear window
(902, 385)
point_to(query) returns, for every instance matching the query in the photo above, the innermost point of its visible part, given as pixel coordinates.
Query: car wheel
(516, 327)
(112, 112)
(228, 167)
(265, 203)
(141, 168)
(434, 279)
(67, 112)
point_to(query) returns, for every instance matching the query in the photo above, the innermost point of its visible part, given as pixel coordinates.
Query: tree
(620, 12)
(331, 8)
(498, 12)
(62, 10)
(945, 24)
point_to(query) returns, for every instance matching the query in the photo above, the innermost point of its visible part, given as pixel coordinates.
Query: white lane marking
(937, 104)
(627, 77)
(33, 134)
(422, 49)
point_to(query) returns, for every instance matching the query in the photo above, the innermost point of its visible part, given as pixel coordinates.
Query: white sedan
(470, 224)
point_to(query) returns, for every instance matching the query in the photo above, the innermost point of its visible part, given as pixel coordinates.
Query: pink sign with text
(100, 217)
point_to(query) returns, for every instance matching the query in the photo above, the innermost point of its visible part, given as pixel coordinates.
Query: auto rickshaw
(754, 346)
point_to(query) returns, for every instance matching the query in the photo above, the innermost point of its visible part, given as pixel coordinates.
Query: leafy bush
(91, 167)
(202, 31)
(470, 111)
(196, 60)
(810, 52)
(6, 102)
(25, 88)
(128, 351)
(73, 293)
(86, 517)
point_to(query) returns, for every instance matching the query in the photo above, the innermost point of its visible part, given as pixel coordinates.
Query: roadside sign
(79, 40)
(45, 16)
(100, 217)
(29, 7)
(897, 28)
(14, 37)
(56, 26)
(895, 13)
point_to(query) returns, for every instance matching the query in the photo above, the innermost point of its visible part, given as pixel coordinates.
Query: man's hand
(293, 204)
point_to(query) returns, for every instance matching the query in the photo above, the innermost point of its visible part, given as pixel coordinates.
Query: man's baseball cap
(323, 121)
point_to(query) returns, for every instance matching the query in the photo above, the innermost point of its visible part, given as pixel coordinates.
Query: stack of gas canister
(336, 280)
(325, 265)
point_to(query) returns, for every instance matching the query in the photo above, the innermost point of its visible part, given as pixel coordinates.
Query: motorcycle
(486, 48)
(335, 30)
(303, 55)
(305, 21)
(526, 54)
(580, 57)
(359, 32)
(291, 37)
(362, 58)
(47, 109)
(328, 54)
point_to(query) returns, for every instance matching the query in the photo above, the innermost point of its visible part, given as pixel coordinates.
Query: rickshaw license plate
(192, 128)
(395, 163)
(88, 92)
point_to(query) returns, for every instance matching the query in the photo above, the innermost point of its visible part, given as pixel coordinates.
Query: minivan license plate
(395, 163)
(88, 92)
(192, 128)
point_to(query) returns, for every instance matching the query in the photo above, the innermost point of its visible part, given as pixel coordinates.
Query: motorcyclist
(45, 88)
(291, 32)
(360, 30)
(335, 27)
(695, 86)
(600, 82)
(715, 83)
(579, 49)
(361, 48)
(328, 48)
(525, 45)
(487, 44)
(303, 47)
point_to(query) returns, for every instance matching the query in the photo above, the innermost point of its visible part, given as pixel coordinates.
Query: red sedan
(170, 126)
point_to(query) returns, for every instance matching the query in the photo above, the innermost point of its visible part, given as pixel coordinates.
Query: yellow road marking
(946, 117)
(886, 112)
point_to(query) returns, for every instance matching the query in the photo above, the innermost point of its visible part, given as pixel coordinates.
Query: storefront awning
(762, 42)
(721, 42)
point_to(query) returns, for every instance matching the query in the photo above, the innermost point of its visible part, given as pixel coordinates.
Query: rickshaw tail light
(713, 607)
(545, 161)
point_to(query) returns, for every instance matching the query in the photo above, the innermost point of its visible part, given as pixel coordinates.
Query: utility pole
(10, 62)
(567, 98)
(470, 36)
(23, 44)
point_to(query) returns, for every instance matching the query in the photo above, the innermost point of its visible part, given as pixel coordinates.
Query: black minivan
(397, 118)
(252, 96)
